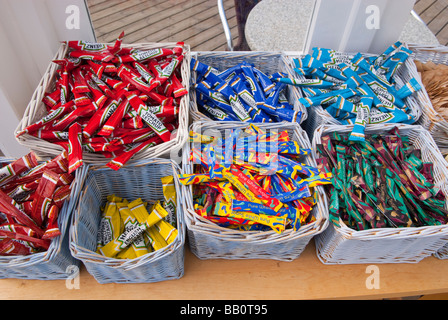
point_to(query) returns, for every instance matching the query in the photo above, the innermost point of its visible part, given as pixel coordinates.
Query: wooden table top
(303, 278)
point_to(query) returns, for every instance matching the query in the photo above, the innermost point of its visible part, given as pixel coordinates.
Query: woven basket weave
(210, 241)
(343, 245)
(141, 180)
(267, 62)
(57, 262)
(436, 124)
(317, 116)
(36, 110)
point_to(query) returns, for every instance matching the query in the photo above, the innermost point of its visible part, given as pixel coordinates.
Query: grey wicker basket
(56, 263)
(36, 110)
(432, 120)
(318, 116)
(210, 241)
(343, 245)
(140, 180)
(267, 62)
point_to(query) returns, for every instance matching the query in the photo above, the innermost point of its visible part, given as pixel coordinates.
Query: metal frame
(225, 25)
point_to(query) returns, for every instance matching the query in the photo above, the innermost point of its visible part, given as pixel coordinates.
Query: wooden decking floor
(435, 14)
(197, 22)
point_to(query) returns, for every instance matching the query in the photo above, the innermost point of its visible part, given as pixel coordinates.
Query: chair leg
(225, 25)
(242, 8)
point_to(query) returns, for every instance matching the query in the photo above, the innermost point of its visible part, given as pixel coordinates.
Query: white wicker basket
(36, 110)
(210, 241)
(317, 116)
(343, 245)
(267, 62)
(433, 121)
